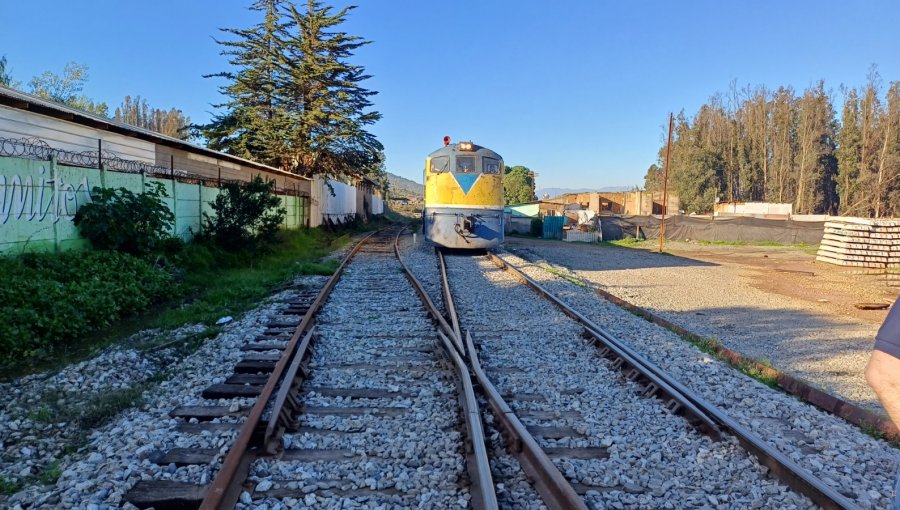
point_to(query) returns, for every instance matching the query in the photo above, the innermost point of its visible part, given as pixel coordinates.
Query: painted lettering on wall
(43, 198)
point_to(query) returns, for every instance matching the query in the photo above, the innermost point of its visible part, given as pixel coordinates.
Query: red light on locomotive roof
(446, 141)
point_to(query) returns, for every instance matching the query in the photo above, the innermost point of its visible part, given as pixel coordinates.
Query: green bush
(117, 219)
(537, 227)
(50, 299)
(248, 215)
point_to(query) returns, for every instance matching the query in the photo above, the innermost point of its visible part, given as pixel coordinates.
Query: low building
(627, 203)
(767, 210)
(519, 216)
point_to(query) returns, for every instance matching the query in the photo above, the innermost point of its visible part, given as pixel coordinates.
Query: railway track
(359, 401)
(352, 397)
(563, 428)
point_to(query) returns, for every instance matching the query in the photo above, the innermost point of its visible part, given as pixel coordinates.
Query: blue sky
(578, 91)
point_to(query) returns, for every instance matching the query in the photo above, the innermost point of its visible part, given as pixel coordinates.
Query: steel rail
(659, 381)
(482, 483)
(215, 498)
(556, 492)
(448, 298)
(429, 304)
(781, 466)
(285, 391)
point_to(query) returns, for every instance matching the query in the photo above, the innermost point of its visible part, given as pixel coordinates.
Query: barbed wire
(37, 149)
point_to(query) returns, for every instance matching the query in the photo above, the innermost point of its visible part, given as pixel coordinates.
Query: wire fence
(37, 149)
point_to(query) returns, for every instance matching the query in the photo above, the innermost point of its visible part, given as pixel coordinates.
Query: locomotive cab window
(465, 164)
(439, 164)
(490, 165)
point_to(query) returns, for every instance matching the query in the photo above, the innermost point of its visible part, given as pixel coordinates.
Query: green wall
(38, 200)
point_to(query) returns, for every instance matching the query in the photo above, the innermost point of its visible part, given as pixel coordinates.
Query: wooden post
(665, 204)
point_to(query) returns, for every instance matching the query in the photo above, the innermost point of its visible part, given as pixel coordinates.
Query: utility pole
(665, 204)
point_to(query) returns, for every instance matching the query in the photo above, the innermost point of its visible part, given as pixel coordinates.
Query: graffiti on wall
(40, 198)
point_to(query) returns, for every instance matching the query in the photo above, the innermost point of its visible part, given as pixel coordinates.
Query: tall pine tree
(294, 100)
(323, 92)
(255, 123)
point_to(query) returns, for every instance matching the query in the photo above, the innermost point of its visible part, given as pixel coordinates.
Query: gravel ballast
(117, 455)
(511, 485)
(859, 466)
(410, 458)
(800, 337)
(655, 458)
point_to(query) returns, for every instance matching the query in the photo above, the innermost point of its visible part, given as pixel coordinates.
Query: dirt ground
(795, 273)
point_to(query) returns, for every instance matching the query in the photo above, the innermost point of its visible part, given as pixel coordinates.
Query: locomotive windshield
(440, 164)
(490, 165)
(465, 164)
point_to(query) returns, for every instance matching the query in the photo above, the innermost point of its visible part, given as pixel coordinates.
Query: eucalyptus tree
(137, 112)
(848, 155)
(66, 88)
(5, 79)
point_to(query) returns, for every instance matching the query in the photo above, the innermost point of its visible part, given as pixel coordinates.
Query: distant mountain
(400, 186)
(555, 192)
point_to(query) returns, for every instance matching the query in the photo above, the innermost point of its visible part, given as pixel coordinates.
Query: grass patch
(625, 242)
(97, 410)
(798, 246)
(749, 367)
(565, 276)
(9, 487)
(211, 283)
(50, 473)
(41, 415)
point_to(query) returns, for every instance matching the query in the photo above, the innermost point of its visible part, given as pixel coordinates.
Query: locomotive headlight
(465, 146)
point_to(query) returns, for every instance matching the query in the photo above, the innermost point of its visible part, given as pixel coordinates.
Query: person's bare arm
(883, 375)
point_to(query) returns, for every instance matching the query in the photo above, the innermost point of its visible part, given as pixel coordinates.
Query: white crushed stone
(512, 488)
(718, 301)
(418, 453)
(861, 467)
(655, 458)
(118, 454)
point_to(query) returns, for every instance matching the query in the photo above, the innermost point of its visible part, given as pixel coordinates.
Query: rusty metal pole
(665, 204)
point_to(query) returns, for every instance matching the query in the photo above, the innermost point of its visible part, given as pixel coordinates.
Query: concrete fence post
(200, 207)
(175, 206)
(54, 173)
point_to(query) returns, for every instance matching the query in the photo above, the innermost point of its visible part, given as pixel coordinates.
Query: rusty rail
(221, 492)
(556, 492)
(781, 466)
(482, 484)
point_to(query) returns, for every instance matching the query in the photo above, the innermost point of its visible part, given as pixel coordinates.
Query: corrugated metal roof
(22, 101)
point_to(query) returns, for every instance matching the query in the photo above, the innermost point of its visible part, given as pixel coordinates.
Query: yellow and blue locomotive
(464, 196)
